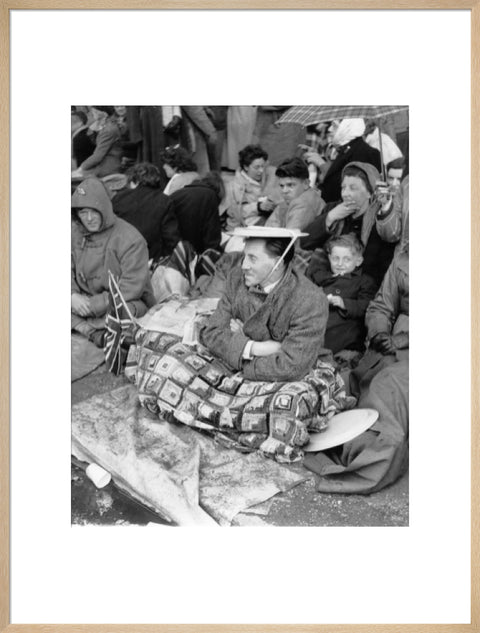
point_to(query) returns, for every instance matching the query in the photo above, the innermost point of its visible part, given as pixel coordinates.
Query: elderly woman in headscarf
(350, 146)
(358, 211)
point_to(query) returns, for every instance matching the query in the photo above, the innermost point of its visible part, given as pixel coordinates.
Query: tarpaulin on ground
(183, 475)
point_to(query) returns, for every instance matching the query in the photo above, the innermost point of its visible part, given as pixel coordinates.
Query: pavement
(301, 506)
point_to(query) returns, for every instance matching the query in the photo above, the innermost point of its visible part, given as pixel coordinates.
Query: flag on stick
(121, 328)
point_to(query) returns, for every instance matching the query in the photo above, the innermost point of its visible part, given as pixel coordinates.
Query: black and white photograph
(240, 315)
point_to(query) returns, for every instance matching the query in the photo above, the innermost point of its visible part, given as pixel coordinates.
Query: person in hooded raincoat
(351, 146)
(102, 242)
(358, 212)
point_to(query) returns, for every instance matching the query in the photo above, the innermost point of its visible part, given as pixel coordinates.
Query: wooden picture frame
(473, 6)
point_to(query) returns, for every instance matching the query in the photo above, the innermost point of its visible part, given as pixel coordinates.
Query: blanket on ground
(187, 384)
(185, 477)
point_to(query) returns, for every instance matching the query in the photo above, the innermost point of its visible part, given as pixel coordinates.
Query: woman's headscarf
(347, 131)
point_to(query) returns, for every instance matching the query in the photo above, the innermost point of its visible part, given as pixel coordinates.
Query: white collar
(269, 287)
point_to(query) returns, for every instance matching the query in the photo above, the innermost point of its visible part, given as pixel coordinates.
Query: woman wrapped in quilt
(102, 242)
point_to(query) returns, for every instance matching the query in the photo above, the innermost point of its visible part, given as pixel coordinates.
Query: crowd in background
(192, 174)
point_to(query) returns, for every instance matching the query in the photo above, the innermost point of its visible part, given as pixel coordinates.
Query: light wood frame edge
(5, 8)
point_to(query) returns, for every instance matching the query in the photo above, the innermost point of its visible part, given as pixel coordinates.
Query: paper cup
(98, 475)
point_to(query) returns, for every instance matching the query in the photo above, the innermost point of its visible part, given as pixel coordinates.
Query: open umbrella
(310, 115)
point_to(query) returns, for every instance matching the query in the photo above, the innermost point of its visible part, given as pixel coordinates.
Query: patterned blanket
(186, 383)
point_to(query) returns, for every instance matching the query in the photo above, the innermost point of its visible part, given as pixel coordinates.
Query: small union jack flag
(121, 328)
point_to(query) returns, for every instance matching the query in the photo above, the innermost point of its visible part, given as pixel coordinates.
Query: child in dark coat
(338, 270)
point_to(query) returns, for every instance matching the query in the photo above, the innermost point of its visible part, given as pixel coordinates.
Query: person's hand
(236, 325)
(339, 212)
(383, 195)
(383, 343)
(77, 173)
(267, 205)
(265, 348)
(400, 340)
(335, 300)
(313, 158)
(81, 305)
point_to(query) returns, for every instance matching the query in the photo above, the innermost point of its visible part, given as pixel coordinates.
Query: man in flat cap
(270, 322)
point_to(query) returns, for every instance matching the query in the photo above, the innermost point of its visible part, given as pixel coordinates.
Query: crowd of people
(314, 222)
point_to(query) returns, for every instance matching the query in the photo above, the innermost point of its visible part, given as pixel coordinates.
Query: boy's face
(344, 260)
(291, 188)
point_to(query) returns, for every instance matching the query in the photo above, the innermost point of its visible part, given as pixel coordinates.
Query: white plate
(342, 428)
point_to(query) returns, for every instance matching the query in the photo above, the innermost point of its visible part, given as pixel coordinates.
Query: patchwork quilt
(186, 383)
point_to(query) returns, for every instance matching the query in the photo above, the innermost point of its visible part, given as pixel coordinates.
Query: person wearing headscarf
(351, 147)
(359, 212)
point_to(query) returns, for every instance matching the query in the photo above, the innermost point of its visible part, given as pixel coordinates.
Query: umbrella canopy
(309, 115)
